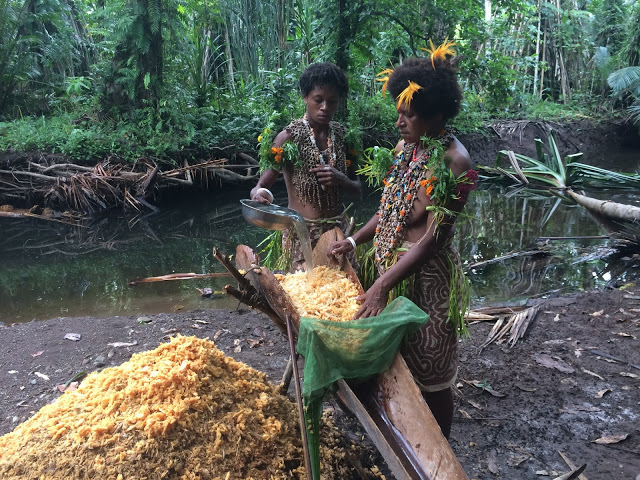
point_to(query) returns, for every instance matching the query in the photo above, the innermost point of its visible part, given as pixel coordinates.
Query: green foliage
(191, 76)
(377, 162)
(145, 133)
(272, 255)
(626, 82)
(376, 116)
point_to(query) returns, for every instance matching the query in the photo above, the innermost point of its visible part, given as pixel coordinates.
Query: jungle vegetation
(168, 78)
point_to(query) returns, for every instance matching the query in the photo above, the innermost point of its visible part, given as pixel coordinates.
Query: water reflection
(517, 228)
(49, 269)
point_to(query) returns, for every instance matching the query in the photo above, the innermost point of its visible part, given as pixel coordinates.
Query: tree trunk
(344, 36)
(535, 68)
(606, 208)
(544, 59)
(150, 63)
(227, 42)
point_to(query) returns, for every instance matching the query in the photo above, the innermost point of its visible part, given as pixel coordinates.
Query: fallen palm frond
(514, 326)
(475, 316)
(23, 213)
(562, 175)
(551, 170)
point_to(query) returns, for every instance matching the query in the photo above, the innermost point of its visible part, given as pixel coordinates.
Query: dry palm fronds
(110, 184)
(514, 326)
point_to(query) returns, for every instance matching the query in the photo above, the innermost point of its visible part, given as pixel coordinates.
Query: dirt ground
(557, 390)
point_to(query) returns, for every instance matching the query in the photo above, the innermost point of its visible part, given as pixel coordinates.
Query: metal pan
(272, 217)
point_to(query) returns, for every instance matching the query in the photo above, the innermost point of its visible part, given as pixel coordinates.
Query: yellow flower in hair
(441, 52)
(406, 95)
(386, 72)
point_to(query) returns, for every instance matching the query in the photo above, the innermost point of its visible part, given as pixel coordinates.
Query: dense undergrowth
(175, 132)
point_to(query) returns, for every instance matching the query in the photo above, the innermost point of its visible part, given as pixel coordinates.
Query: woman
(425, 189)
(316, 171)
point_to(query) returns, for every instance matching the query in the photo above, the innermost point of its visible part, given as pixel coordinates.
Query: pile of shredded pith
(181, 411)
(327, 294)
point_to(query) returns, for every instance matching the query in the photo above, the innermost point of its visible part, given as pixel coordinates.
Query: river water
(50, 270)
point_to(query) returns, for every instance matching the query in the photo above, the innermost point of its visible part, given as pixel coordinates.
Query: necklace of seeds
(401, 186)
(307, 186)
(330, 140)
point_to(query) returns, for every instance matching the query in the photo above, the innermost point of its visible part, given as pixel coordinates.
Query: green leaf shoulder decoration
(272, 158)
(443, 187)
(402, 183)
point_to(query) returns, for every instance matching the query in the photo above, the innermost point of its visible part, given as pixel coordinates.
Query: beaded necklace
(400, 188)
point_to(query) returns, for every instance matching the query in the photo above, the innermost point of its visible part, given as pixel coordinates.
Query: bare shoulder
(399, 148)
(281, 138)
(460, 160)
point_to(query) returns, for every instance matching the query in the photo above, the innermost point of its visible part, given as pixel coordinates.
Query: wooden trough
(390, 407)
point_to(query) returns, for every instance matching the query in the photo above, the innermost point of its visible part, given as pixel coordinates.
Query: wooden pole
(296, 380)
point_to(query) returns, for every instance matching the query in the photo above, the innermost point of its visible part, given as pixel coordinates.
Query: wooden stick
(296, 380)
(573, 474)
(286, 378)
(571, 465)
(611, 357)
(36, 216)
(178, 276)
(505, 257)
(585, 237)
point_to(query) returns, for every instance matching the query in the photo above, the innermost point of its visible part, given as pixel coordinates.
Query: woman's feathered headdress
(440, 53)
(386, 72)
(405, 97)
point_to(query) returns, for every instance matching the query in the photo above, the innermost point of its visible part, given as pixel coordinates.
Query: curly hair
(440, 91)
(323, 75)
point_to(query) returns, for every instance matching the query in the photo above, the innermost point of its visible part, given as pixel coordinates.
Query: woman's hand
(374, 302)
(329, 176)
(262, 195)
(341, 246)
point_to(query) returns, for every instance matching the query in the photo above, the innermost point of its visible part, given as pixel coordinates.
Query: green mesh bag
(356, 349)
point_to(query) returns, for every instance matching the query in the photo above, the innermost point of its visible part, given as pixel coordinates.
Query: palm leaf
(510, 175)
(600, 177)
(516, 166)
(634, 112)
(540, 169)
(625, 79)
(555, 154)
(542, 157)
(547, 217)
